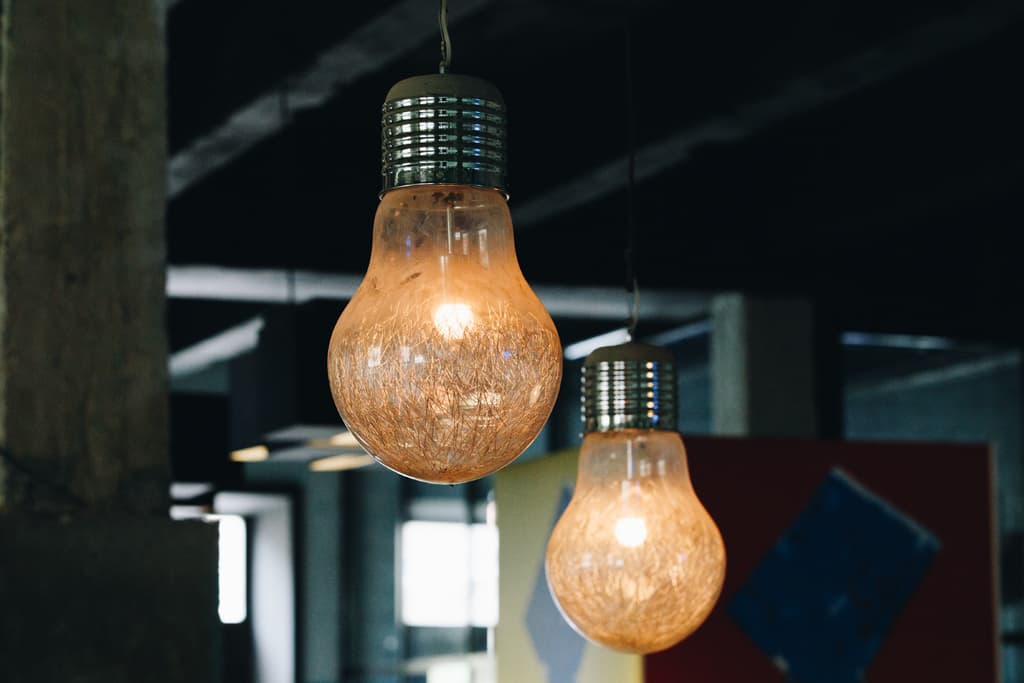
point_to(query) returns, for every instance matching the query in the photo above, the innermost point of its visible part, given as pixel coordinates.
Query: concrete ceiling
(864, 154)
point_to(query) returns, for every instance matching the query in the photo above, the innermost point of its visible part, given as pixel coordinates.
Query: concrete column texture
(96, 583)
(83, 369)
(762, 367)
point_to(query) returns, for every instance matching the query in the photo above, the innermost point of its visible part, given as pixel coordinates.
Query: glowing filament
(452, 320)
(630, 531)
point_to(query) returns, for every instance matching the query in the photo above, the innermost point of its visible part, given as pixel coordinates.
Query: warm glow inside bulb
(444, 365)
(630, 531)
(635, 562)
(452, 320)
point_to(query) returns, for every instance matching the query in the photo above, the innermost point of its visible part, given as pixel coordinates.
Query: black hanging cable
(284, 105)
(629, 252)
(292, 297)
(446, 39)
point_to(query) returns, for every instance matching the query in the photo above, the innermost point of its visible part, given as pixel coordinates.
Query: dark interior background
(866, 156)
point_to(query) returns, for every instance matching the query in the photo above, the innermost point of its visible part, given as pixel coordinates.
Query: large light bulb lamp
(444, 365)
(635, 563)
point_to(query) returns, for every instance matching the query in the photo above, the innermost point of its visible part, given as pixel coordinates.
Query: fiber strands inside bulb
(635, 562)
(446, 391)
(640, 599)
(444, 364)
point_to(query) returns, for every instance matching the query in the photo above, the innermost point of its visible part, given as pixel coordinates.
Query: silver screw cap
(629, 386)
(444, 129)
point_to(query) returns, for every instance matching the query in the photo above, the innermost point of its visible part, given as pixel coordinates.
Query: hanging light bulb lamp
(444, 365)
(635, 563)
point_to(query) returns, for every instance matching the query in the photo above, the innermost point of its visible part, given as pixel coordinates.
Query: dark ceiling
(867, 154)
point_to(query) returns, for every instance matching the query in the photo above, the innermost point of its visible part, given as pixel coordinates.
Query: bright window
(449, 574)
(450, 672)
(231, 568)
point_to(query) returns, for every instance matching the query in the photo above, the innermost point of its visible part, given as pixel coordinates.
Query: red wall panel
(755, 488)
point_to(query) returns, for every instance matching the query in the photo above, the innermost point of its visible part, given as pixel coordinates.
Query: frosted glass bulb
(635, 562)
(444, 365)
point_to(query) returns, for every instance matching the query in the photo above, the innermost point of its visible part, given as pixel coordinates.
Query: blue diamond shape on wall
(824, 598)
(557, 645)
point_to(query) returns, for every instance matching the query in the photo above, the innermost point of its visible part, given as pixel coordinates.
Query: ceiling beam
(218, 283)
(969, 369)
(848, 77)
(220, 347)
(398, 30)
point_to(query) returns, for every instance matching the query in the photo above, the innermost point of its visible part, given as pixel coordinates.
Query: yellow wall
(527, 496)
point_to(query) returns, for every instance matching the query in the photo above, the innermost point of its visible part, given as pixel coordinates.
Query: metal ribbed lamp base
(444, 129)
(629, 386)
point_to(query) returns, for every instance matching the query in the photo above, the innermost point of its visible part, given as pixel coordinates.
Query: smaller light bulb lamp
(635, 563)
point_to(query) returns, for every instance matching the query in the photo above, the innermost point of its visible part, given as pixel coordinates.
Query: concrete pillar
(96, 584)
(83, 369)
(763, 379)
